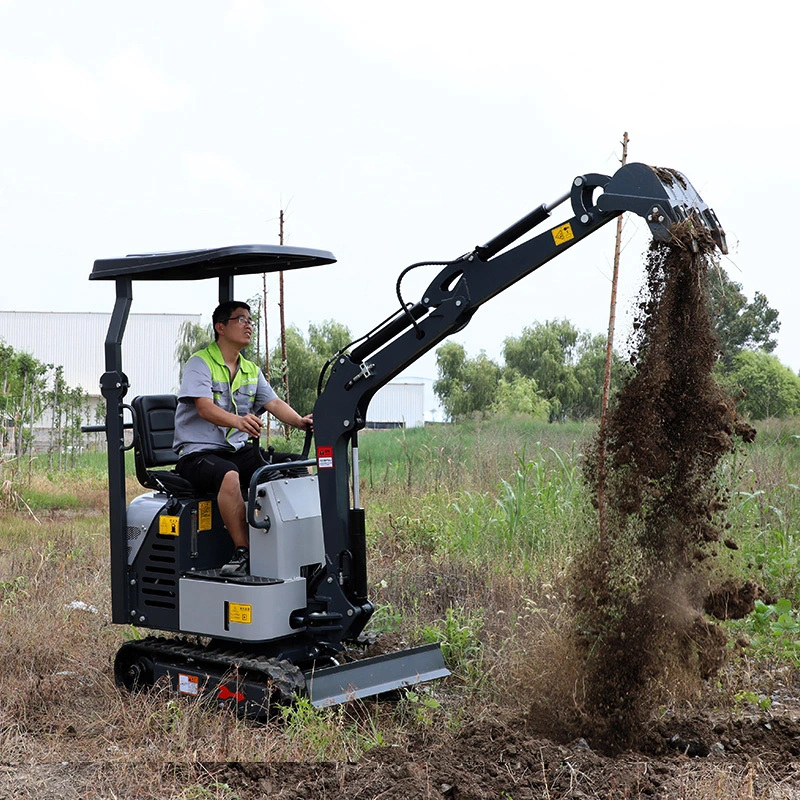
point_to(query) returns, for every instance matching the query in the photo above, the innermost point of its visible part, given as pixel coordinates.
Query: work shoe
(239, 563)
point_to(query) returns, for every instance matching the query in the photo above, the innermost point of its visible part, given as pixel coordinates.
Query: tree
(519, 395)
(554, 355)
(465, 386)
(740, 325)
(328, 338)
(24, 384)
(590, 375)
(764, 386)
(552, 371)
(28, 388)
(24, 396)
(305, 359)
(191, 338)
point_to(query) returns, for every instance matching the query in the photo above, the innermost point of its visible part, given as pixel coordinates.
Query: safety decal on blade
(204, 515)
(562, 234)
(188, 684)
(324, 458)
(168, 526)
(241, 613)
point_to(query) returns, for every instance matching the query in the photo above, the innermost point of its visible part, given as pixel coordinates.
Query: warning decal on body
(562, 234)
(188, 684)
(204, 515)
(168, 526)
(324, 458)
(240, 612)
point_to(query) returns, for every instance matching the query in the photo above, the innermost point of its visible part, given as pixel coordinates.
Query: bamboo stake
(281, 304)
(266, 336)
(601, 476)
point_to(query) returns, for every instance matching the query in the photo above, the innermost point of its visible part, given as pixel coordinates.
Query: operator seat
(153, 433)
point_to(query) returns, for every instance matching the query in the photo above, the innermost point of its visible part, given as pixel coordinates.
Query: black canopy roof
(220, 262)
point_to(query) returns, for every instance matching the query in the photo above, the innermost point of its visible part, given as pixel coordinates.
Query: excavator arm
(662, 197)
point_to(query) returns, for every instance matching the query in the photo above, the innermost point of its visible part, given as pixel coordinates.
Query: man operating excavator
(221, 398)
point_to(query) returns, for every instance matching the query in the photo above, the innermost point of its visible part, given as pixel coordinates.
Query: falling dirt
(640, 586)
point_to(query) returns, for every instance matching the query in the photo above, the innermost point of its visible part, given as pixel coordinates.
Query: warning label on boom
(563, 233)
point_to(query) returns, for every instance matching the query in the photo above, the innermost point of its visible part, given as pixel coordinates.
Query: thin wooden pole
(266, 335)
(601, 475)
(282, 304)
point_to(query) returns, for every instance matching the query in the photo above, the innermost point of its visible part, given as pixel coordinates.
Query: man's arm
(286, 414)
(250, 423)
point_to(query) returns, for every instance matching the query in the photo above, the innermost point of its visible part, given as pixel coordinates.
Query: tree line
(31, 390)
(552, 371)
(555, 372)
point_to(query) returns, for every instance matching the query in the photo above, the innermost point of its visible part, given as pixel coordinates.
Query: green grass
(471, 530)
(507, 489)
(773, 631)
(513, 489)
(459, 515)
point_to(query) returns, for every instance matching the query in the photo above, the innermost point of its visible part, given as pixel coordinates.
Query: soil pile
(638, 587)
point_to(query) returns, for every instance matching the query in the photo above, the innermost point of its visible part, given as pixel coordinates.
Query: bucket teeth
(663, 197)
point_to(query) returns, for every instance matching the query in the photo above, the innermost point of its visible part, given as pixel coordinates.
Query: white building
(398, 405)
(75, 341)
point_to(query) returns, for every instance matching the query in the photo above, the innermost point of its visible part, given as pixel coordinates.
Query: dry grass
(67, 731)
(61, 707)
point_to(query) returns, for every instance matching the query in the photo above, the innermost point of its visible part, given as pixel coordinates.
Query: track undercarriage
(252, 684)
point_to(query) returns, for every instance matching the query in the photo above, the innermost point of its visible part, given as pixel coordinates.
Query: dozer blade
(663, 197)
(372, 676)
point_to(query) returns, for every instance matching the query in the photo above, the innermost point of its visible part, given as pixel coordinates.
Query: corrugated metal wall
(398, 403)
(76, 341)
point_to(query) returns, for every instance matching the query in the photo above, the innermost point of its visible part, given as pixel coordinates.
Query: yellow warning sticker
(204, 515)
(241, 613)
(168, 526)
(562, 234)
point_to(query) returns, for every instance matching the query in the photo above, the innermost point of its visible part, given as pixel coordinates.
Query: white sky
(391, 133)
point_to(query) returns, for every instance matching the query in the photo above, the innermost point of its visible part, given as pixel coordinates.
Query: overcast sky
(391, 133)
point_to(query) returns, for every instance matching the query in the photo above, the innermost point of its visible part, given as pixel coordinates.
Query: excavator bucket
(663, 197)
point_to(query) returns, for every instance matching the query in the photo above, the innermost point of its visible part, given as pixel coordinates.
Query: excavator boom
(663, 197)
(283, 628)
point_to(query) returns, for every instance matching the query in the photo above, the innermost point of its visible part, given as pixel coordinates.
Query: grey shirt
(248, 393)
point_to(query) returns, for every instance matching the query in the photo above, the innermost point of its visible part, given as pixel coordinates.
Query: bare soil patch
(496, 755)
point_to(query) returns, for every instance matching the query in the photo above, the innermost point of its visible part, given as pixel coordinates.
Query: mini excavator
(289, 627)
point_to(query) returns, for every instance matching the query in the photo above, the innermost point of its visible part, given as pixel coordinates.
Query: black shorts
(206, 470)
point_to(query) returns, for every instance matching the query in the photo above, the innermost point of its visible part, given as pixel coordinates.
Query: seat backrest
(154, 420)
(154, 430)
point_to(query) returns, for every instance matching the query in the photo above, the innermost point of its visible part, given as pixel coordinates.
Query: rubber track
(284, 678)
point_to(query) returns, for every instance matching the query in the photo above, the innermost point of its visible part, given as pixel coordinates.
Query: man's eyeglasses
(241, 319)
